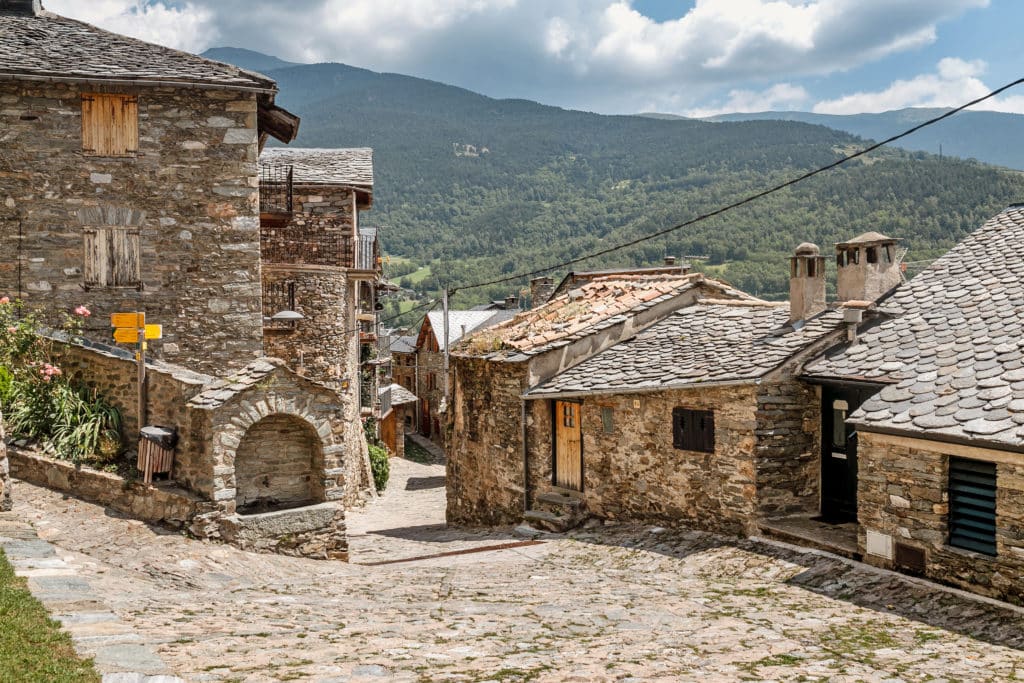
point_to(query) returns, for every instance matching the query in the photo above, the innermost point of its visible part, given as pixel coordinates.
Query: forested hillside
(475, 187)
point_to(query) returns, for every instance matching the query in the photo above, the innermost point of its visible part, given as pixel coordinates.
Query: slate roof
(403, 344)
(313, 166)
(223, 389)
(954, 352)
(49, 46)
(399, 394)
(710, 341)
(595, 305)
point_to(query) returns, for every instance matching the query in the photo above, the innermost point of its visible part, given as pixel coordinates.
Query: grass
(419, 275)
(32, 646)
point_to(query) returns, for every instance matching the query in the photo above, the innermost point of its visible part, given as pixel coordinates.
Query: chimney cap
(871, 237)
(670, 260)
(807, 249)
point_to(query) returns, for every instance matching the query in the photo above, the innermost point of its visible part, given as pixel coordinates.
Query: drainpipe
(526, 458)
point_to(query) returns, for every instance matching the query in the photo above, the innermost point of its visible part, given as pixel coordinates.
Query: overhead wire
(746, 200)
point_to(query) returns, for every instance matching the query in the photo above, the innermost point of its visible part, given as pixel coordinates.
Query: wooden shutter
(111, 257)
(96, 262)
(110, 125)
(972, 505)
(693, 430)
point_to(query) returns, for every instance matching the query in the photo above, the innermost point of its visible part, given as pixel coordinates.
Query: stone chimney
(670, 260)
(866, 267)
(806, 283)
(541, 289)
(511, 302)
(22, 7)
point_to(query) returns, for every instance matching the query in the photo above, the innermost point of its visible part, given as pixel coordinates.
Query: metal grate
(277, 297)
(972, 505)
(276, 189)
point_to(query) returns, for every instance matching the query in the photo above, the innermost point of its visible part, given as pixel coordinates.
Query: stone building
(935, 438)
(429, 365)
(130, 181)
(397, 418)
(495, 430)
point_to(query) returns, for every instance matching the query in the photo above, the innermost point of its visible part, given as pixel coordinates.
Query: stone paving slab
(605, 604)
(119, 653)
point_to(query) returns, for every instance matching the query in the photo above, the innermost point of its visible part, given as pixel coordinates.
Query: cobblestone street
(618, 603)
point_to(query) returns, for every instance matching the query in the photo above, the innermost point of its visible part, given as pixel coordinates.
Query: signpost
(131, 328)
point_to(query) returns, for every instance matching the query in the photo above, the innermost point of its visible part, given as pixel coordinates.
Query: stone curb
(120, 655)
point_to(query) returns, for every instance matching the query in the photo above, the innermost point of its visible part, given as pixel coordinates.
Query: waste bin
(156, 450)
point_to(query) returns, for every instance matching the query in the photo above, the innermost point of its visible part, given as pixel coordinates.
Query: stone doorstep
(119, 653)
(796, 534)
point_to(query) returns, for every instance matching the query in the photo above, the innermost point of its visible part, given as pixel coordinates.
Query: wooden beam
(277, 122)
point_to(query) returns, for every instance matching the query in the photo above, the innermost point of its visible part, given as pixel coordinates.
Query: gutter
(200, 85)
(639, 390)
(872, 382)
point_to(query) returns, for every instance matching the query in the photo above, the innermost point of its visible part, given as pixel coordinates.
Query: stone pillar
(5, 474)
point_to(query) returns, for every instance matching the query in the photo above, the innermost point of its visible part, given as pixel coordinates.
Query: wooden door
(568, 469)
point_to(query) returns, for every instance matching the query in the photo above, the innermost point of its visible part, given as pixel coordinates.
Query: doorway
(839, 451)
(568, 467)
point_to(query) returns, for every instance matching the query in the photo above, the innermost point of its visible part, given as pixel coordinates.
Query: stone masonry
(903, 495)
(5, 474)
(190, 192)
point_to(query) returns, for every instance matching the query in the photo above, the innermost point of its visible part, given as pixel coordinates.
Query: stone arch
(279, 464)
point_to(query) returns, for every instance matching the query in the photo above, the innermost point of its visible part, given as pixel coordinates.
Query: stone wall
(276, 464)
(5, 475)
(903, 499)
(431, 389)
(485, 459)
(319, 232)
(634, 472)
(191, 192)
(788, 451)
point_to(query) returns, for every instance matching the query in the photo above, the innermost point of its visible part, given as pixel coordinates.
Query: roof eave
(938, 437)
(671, 386)
(145, 82)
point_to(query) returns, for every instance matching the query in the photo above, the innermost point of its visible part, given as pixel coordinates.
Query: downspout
(526, 457)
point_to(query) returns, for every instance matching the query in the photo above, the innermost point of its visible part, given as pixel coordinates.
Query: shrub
(40, 402)
(379, 466)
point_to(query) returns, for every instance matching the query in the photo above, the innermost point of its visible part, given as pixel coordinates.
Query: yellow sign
(135, 320)
(126, 335)
(154, 331)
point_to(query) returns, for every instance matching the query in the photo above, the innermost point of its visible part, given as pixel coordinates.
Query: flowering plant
(38, 398)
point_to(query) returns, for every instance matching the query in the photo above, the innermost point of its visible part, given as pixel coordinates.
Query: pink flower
(5, 300)
(46, 378)
(82, 311)
(12, 329)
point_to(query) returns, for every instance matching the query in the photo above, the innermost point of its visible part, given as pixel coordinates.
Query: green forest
(470, 188)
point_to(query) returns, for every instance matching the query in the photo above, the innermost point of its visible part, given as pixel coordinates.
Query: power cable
(741, 202)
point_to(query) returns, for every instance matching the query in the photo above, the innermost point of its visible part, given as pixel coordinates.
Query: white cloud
(782, 96)
(598, 54)
(954, 82)
(188, 28)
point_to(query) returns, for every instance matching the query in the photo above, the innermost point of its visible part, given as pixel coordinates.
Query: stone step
(550, 521)
(795, 537)
(559, 499)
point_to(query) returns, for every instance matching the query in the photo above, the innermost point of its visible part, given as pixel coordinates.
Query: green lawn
(419, 275)
(32, 646)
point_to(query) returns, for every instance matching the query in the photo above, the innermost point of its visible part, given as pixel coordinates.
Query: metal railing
(367, 250)
(276, 189)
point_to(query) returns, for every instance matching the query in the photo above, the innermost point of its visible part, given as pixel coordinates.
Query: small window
(568, 415)
(810, 267)
(839, 409)
(972, 505)
(872, 253)
(607, 419)
(110, 125)
(693, 430)
(112, 257)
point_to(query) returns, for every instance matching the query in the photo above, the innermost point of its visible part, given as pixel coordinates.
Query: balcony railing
(367, 250)
(276, 189)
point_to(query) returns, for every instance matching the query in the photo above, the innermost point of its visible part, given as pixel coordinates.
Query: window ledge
(972, 554)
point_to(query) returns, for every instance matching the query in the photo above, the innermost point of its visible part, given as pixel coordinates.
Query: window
(110, 125)
(693, 430)
(608, 419)
(872, 253)
(839, 409)
(568, 415)
(810, 267)
(972, 505)
(112, 257)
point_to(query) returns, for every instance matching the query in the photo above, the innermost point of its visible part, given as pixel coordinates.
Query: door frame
(554, 442)
(855, 394)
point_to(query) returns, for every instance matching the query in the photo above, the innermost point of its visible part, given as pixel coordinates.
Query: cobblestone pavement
(617, 603)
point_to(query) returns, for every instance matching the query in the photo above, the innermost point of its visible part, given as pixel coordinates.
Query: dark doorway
(839, 451)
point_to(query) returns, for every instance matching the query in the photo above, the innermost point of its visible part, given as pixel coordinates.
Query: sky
(687, 57)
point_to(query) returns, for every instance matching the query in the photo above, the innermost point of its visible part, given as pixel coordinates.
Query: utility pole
(444, 308)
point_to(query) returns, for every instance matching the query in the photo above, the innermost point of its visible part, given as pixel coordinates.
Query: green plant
(41, 402)
(380, 466)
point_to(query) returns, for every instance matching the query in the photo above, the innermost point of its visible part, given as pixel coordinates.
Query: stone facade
(5, 473)
(190, 193)
(430, 390)
(903, 500)
(788, 450)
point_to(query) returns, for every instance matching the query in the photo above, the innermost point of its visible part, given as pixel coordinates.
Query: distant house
(933, 402)
(429, 361)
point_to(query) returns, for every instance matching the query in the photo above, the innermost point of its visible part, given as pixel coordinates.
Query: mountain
(988, 136)
(246, 59)
(479, 188)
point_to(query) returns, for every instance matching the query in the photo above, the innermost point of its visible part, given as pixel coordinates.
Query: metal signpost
(131, 328)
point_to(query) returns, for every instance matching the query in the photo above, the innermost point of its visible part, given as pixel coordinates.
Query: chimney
(670, 260)
(806, 283)
(510, 302)
(541, 289)
(26, 8)
(866, 267)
